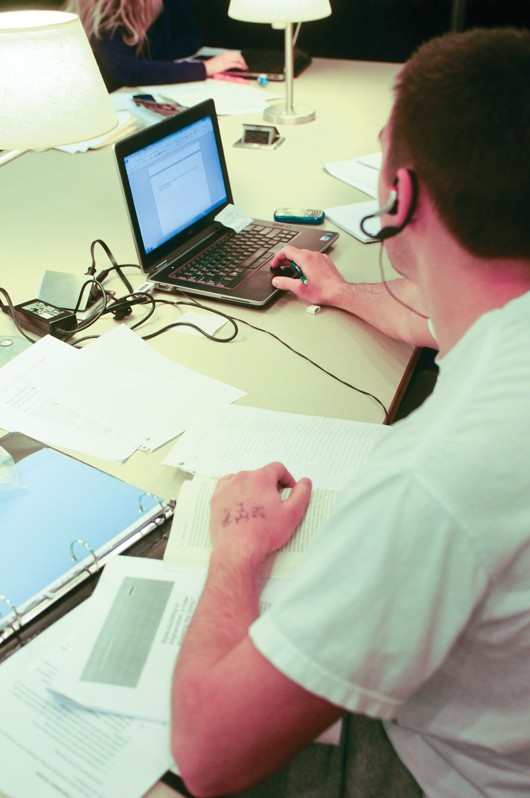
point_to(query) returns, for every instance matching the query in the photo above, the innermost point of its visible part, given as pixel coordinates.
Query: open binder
(60, 521)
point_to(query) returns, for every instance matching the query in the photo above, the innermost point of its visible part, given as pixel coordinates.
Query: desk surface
(53, 205)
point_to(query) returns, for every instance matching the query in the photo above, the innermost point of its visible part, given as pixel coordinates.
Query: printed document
(236, 437)
(123, 660)
(52, 748)
(99, 400)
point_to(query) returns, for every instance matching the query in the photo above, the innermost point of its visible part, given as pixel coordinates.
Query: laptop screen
(174, 179)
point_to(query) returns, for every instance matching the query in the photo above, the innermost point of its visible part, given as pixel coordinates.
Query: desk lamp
(282, 14)
(51, 89)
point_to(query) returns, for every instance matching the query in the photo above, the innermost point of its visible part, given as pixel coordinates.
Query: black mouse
(284, 270)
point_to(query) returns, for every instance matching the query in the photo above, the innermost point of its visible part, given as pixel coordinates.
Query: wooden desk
(53, 205)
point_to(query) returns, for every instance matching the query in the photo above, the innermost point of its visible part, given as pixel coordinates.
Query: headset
(391, 207)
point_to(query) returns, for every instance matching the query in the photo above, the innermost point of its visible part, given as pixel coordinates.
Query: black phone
(299, 215)
(152, 104)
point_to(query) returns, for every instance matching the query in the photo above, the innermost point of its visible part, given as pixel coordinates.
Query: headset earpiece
(391, 207)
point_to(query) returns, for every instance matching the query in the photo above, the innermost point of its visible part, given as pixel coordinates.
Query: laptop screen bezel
(151, 135)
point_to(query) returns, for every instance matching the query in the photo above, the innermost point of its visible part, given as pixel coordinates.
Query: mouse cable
(235, 319)
(317, 365)
(194, 303)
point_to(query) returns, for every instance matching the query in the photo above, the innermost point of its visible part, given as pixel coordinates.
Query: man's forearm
(375, 304)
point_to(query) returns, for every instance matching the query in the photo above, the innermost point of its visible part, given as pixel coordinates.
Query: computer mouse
(284, 270)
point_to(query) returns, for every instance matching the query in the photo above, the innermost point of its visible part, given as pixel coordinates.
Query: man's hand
(231, 59)
(249, 516)
(324, 281)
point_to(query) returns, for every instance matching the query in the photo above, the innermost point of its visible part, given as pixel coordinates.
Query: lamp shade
(278, 10)
(51, 89)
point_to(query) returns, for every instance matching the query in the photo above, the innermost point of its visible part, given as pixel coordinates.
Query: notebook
(270, 63)
(175, 183)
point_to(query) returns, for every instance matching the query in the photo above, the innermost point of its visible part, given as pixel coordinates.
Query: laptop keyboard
(228, 261)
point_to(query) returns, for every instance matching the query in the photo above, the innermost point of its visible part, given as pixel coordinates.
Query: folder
(60, 521)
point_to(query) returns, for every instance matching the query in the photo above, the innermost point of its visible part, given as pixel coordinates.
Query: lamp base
(281, 115)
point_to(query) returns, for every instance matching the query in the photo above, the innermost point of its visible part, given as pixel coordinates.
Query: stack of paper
(100, 400)
(363, 174)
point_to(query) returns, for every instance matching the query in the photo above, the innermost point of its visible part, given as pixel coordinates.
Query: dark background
(372, 30)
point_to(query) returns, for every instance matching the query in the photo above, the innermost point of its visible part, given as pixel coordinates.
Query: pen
(230, 78)
(299, 272)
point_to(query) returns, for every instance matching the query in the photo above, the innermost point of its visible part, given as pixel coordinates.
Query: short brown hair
(461, 121)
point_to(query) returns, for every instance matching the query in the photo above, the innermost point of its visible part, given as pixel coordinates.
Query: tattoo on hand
(241, 513)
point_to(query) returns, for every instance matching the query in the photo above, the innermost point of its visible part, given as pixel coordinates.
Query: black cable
(235, 319)
(11, 312)
(194, 303)
(115, 266)
(317, 365)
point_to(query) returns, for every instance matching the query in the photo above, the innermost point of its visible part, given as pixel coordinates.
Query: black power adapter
(45, 319)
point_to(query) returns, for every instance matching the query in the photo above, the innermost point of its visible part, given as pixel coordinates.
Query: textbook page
(234, 437)
(189, 544)
(52, 749)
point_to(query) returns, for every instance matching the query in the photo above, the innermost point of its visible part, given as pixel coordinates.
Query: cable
(236, 319)
(115, 266)
(389, 290)
(11, 312)
(194, 303)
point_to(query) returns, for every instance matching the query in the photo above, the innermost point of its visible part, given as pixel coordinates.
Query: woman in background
(139, 42)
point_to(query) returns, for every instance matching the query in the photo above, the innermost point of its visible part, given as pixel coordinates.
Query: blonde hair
(134, 17)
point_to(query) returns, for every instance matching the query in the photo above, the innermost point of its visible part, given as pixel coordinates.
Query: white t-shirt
(413, 604)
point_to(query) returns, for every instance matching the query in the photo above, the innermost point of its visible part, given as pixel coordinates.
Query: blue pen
(299, 272)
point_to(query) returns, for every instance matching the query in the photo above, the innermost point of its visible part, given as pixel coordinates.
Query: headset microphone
(391, 207)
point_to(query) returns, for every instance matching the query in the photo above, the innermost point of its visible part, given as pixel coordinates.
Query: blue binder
(60, 520)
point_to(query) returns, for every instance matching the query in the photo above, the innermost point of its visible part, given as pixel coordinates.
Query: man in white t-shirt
(413, 604)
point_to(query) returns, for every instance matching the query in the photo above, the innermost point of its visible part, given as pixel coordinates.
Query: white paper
(36, 397)
(99, 400)
(233, 217)
(123, 661)
(361, 173)
(127, 123)
(349, 217)
(53, 749)
(236, 437)
(128, 372)
(229, 98)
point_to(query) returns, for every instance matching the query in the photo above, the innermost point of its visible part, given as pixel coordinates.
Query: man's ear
(406, 187)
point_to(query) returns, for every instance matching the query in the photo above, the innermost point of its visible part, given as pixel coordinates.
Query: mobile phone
(152, 104)
(299, 215)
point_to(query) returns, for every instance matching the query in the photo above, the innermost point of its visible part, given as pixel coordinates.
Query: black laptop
(270, 64)
(175, 183)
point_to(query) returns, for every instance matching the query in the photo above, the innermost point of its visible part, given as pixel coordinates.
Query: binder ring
(141, 508)
(90, 550)
(17, 618)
